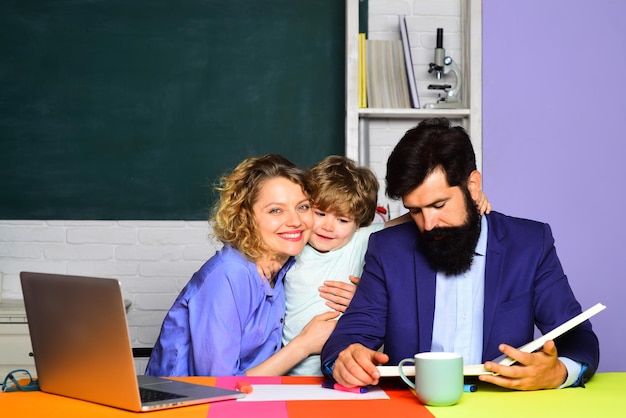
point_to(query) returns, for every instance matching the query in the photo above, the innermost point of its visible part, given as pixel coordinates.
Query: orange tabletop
(402, 402)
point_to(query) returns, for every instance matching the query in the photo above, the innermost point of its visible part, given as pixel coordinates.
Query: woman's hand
(310, 341)
(314, 335)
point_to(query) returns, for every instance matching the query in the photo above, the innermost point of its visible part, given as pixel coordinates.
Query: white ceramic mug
(438, 377)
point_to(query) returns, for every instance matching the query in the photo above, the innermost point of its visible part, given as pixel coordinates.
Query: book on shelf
(408, 61)
(387, 84)
(362, 74)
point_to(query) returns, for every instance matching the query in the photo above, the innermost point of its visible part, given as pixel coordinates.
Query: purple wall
(554, 107)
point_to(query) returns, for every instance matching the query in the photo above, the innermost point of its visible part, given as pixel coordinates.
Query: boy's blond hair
(342, 187)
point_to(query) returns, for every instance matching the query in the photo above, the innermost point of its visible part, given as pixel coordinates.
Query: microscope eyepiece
(439, 37)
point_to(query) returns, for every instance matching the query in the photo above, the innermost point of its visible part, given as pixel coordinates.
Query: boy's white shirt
(302, 281)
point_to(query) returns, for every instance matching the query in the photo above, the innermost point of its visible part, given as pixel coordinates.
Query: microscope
(442, 66)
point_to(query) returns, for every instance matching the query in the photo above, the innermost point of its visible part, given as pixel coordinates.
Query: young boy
(344, 200)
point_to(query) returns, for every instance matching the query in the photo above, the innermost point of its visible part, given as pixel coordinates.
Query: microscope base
(444, 105)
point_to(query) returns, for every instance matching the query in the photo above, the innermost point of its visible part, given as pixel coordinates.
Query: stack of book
(387, 85)
(386, 77)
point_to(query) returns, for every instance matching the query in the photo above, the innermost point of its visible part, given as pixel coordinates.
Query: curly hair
(342, 187)
(233, 216)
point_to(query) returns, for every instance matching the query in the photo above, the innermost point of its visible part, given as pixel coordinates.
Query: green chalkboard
(130, 109)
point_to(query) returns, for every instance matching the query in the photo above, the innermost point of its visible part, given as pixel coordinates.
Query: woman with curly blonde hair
(228, 319)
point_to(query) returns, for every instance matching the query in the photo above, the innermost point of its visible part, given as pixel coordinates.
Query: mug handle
(401, 371)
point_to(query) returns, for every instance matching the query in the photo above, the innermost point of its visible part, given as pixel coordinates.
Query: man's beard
(451, 249)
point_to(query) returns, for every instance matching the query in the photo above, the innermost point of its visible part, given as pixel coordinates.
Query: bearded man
(456, 281)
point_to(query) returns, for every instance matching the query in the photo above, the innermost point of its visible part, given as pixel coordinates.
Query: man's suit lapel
(426, 279)
(496, 255)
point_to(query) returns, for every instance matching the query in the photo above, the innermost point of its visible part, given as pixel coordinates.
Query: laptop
(82, 349)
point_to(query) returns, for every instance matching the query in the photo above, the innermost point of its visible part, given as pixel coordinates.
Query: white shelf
(372, 113)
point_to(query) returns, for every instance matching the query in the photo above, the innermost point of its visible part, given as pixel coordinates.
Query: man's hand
(356, 366)
(338, 294)
(538, 370)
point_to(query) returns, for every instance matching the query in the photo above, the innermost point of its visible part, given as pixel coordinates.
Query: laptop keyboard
(151, 395)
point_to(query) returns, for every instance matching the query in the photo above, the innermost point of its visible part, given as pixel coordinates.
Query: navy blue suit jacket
(525, 286)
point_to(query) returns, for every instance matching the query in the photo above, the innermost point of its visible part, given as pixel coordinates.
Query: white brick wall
(154, 259)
